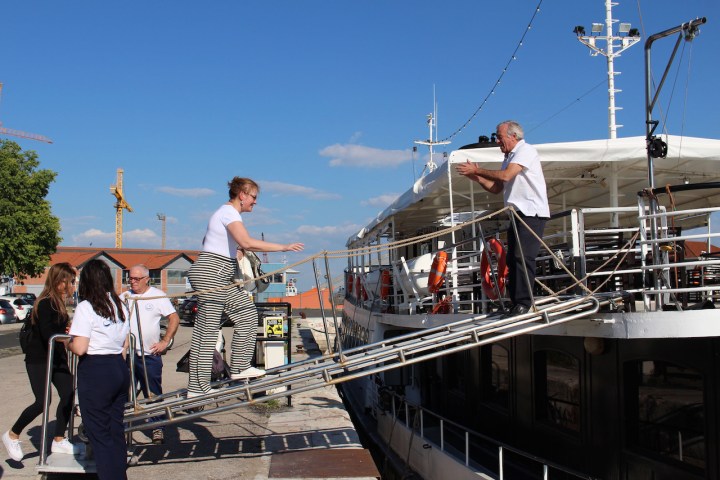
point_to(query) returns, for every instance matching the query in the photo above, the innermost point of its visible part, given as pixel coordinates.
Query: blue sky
(318, 101)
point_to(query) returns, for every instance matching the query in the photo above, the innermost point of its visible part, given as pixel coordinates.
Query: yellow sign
(274, 326)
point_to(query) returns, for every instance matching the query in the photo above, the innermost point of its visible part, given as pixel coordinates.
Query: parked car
(188, 312)
(29, 297)
(7, 312)
(22, 307)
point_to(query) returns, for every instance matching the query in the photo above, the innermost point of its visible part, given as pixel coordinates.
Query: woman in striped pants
(215, 268)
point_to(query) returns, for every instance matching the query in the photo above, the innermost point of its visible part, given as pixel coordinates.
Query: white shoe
(251, 372)
(64, 446)
(13, 447)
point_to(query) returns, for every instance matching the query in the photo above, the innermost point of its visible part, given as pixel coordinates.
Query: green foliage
(29, 233)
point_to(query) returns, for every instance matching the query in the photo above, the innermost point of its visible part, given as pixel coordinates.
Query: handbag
(250, 268)
(26, 334)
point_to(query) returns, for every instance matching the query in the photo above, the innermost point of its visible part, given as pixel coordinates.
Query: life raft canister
(437, 272)
(488, 285)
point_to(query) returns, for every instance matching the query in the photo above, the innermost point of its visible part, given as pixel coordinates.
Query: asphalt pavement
(313, 438)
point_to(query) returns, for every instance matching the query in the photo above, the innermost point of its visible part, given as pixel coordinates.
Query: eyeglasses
(254, 197)
(136, 279)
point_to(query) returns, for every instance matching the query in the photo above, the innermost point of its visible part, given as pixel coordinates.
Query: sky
(319, 101)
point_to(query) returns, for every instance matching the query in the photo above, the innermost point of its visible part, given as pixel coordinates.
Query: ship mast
(432, 138)
(614, 46)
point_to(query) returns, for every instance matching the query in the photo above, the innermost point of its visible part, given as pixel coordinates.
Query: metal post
(322, 306)
(46, 404)
(500, 464)
(142, 350)
(332, 304)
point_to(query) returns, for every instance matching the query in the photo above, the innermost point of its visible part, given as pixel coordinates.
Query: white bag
(249, 266)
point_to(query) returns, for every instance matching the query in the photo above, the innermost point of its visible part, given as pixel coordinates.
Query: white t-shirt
(527, 191)
(217, 238)
(107, 337)
(151, 311)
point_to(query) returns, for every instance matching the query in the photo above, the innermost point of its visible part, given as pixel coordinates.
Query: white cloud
(350, 155)
(381, 201)
(142, 236)
(187, 192)
(333, 230)
(355, 137)
(281, 188)
(95, 237)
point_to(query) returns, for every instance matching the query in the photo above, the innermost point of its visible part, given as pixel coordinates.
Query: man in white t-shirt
(522, 183)
(151, 311)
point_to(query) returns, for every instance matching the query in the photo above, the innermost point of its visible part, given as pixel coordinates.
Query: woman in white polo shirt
(213, 275)
(100, 338)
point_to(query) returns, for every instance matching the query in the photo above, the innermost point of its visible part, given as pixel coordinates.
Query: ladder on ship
(349, 364)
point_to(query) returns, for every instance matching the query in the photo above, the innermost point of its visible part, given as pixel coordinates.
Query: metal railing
(416, 418)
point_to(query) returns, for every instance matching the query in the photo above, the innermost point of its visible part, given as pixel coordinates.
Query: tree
(29, 233)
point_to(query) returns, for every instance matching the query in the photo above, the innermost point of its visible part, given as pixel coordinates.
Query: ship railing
(475, 450)
(671, 279)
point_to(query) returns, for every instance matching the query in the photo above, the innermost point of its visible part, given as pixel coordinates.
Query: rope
(375, 249)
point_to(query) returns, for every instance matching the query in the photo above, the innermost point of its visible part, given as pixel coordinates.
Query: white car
(22, 307)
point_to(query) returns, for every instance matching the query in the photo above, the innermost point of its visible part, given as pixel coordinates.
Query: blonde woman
(216, 267)
(49, 317)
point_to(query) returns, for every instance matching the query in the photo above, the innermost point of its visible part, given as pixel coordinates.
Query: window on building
(176, 277)
(666, 411)
(557, 386)
(495, 367)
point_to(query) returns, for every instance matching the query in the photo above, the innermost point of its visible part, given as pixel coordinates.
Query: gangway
(332, 369)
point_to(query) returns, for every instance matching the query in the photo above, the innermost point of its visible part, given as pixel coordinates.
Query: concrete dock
(312, 439)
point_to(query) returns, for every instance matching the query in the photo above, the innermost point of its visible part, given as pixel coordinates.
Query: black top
(49, 323)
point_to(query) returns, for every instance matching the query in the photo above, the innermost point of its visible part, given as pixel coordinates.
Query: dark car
(188, 311)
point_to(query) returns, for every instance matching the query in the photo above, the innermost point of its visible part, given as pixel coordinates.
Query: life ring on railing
(488, 285)
(443, 306)
(385, 284)
(437, 272)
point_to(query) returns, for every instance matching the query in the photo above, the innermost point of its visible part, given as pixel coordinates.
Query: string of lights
(502, 74)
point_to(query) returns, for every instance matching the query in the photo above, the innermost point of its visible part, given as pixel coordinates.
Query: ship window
(666, 412)
(558, 389)
(496, 375)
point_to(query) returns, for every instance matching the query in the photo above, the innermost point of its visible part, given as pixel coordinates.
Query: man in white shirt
(151, 311)
(522, 183)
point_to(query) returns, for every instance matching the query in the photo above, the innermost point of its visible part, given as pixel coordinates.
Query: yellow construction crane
(121, 204)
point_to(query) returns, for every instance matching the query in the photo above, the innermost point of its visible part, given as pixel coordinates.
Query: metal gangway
(350, 364)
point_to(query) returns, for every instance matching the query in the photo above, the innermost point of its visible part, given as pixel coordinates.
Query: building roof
(125, 257)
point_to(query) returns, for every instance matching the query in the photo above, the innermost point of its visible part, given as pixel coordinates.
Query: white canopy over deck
(595, 173)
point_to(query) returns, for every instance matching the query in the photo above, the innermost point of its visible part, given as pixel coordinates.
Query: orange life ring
(437, 272)
(385, 284)
(488, 285)
(443, 306)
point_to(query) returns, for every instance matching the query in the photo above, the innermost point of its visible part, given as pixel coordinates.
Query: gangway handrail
(365, 360)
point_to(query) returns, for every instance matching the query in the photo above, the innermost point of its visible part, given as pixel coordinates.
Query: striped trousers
(208, 272)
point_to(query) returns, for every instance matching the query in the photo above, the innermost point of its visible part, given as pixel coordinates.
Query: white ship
(615, 373)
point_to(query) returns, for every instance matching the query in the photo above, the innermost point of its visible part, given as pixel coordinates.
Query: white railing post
(500, 463)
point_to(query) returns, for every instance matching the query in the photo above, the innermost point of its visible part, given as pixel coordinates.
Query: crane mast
(120, 205)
